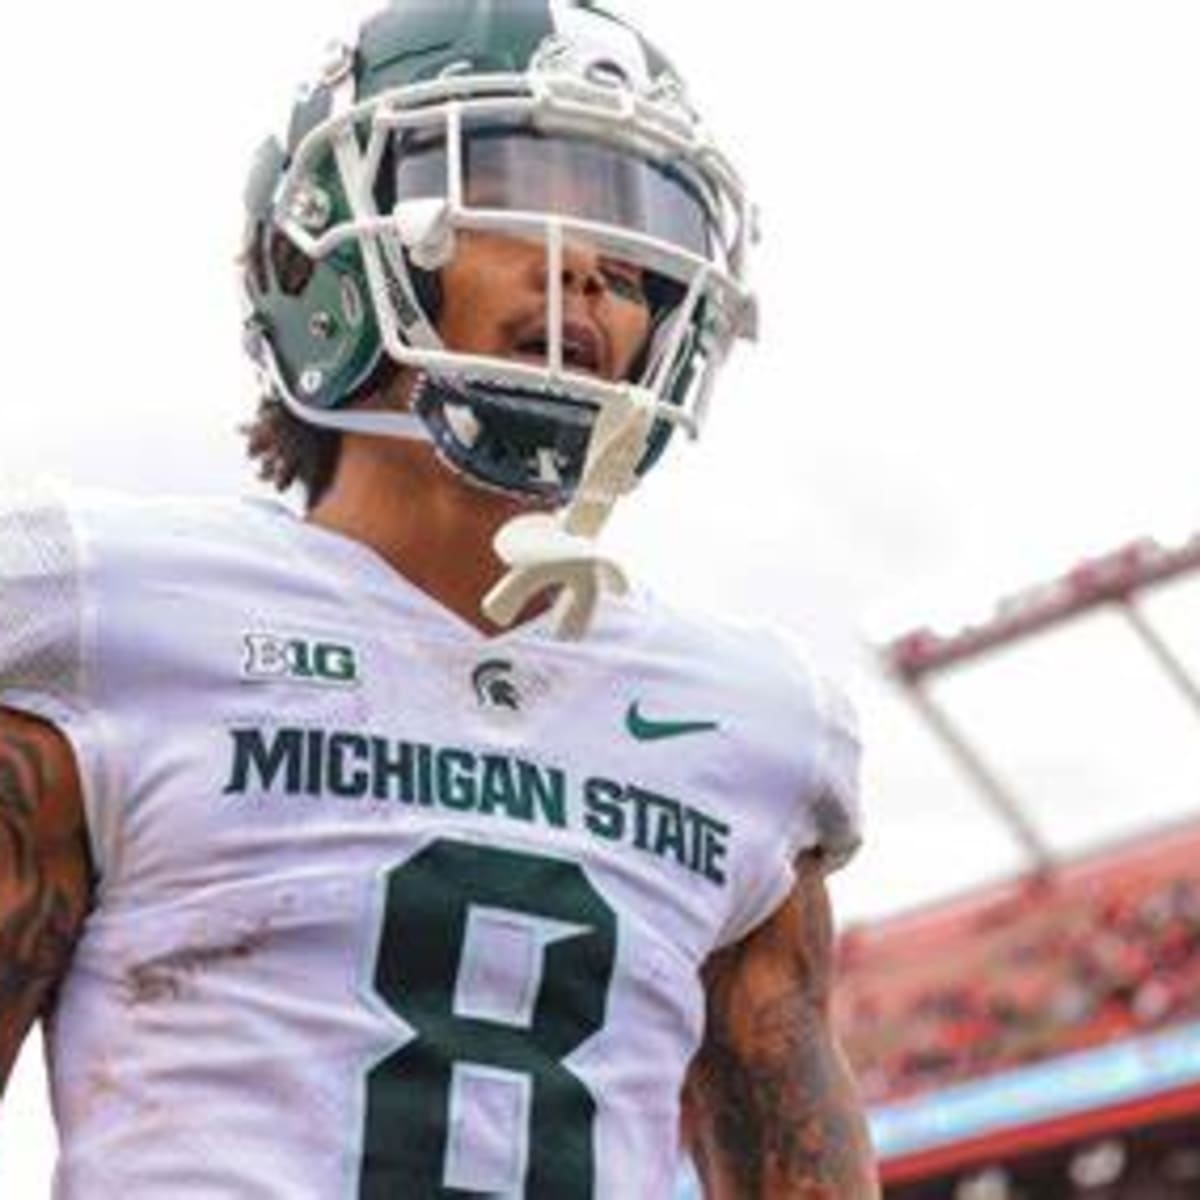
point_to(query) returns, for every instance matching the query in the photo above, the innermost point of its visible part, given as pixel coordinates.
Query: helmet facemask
(549, 157)
(556, 126)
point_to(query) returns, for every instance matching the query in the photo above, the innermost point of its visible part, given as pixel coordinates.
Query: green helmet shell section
(318, 315)
(416, 40)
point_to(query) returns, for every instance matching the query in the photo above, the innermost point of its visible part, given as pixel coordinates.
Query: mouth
(584, 349)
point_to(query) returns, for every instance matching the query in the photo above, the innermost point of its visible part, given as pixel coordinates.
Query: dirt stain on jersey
(167, 977)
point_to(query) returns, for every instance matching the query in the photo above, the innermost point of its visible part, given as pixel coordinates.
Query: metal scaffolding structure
(1114, 581)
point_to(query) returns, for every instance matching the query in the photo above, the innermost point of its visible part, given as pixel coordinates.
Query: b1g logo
(302, 659)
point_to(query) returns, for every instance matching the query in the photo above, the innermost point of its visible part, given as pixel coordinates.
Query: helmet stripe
(602, 34)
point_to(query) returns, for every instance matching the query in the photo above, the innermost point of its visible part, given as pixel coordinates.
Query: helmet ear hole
(292, 268)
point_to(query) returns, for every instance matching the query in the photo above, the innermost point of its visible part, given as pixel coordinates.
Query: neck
(433, 526)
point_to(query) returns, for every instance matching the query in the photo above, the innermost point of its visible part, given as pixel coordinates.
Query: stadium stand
(1101, 950)
(1067, 986)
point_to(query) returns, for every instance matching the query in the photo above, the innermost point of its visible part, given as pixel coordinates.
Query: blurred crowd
(1144, 1165)
(1054, 970)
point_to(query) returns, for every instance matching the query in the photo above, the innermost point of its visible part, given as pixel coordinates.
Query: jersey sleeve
(835, 786)
(832, 813)
(44, 640)
(818, 731)
(809, 797)
(41, 606)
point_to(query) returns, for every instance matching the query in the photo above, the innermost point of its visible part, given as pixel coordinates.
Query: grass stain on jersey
(167, 976)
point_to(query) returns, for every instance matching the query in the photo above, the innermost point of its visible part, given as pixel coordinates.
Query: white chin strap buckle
(544, 551)
(541, 556)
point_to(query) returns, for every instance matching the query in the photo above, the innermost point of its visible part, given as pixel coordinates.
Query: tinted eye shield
(518, 168)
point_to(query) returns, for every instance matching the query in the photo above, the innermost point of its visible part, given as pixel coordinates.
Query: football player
(403, 849)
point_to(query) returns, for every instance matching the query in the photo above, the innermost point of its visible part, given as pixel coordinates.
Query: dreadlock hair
(288, 450)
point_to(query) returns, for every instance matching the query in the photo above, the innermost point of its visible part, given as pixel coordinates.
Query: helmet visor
(517, 168)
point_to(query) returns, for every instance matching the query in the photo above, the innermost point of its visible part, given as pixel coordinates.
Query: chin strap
(544, 550)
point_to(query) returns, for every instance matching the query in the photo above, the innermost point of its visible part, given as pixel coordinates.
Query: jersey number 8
(500, 962)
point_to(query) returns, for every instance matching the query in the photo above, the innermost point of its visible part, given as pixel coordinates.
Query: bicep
(44, 873)
(771, 1106)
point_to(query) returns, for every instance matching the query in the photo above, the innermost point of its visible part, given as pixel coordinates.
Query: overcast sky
(981, 292)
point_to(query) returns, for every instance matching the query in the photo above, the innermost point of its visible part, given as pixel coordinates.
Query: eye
(625, 282)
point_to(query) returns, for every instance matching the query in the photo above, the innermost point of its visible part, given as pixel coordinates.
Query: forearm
(772, 1109)
(43, 882)
(785, 1122)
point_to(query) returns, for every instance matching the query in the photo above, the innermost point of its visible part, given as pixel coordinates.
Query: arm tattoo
(781, 1112)
(42, 892)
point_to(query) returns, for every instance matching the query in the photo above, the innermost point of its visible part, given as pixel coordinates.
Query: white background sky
(980, 356)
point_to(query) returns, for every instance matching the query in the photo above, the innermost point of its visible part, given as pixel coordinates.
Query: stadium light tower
(1112, 581)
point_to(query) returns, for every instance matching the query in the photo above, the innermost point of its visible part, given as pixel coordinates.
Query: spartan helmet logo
(494, 686)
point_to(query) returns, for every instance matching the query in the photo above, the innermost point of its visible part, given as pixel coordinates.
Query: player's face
(494, 303)
(494, 290)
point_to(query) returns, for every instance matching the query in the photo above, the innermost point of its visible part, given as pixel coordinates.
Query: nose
(581, 273)
(581, 269)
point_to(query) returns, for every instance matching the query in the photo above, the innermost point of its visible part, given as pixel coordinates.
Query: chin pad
(517, 441)
(523, 442)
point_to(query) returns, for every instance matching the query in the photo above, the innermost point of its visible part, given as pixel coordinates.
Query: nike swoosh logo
(646, 730)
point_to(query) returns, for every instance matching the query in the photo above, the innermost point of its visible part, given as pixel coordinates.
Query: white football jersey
(387, 908)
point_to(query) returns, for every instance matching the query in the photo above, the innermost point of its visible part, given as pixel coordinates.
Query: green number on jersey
(437, 971)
